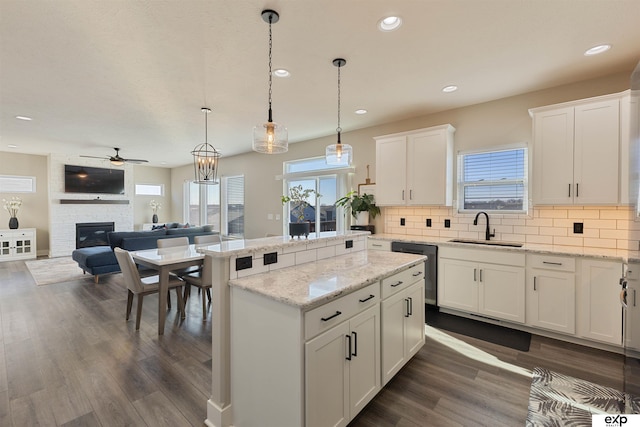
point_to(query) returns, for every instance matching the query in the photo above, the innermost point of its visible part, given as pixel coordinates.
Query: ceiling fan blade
(135, 161)
(95, 157)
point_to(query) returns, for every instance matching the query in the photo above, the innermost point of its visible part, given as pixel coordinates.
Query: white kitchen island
(269, 322)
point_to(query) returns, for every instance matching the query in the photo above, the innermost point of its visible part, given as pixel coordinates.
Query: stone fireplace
(92, 234)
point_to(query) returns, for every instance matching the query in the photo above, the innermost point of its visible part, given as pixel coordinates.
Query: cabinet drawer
(402, 280)
(328, 315)
(551, 262)
(379, 245)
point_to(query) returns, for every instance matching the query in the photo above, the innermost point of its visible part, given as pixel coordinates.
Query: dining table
(166, 260)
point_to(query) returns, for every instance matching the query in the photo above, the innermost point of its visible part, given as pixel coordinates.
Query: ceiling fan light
(117, 162)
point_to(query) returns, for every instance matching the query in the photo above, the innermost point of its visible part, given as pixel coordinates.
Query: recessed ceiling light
(361, 111)
(597, 49)
(23, 118)
(450, 88)
(389, 23)
(12, 146)
(281, 72)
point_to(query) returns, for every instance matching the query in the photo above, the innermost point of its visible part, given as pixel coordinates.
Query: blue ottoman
(96, 260)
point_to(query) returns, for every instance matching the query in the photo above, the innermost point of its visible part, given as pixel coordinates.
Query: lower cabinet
(489, 283)
(343, 370)
(551, 293)
(17, 244)
(402, 328)
(599, 309)
(632, 315)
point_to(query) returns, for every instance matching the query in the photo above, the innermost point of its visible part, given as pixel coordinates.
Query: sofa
(97, 260)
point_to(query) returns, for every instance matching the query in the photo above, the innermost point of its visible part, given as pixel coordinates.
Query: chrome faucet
(487, 233)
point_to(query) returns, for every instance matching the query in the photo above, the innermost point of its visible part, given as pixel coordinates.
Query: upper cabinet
(415, 168)
(576, 152)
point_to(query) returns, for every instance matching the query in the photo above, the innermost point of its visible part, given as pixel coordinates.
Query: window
(493, 181)
(220, 205)
(17, 184)
(328, 181)
(149, 189)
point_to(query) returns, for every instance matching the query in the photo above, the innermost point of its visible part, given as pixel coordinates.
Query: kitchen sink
(488, 242)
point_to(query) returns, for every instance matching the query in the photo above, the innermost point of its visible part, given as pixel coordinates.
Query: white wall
(142, 210)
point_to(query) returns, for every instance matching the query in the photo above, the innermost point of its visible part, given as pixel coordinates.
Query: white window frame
(343, 176)
(461, 185)
(159, 187)
(17, 184)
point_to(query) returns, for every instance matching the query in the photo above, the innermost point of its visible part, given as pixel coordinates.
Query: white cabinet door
(632, 331)
(551, 297)
(457, 285)
(553, 156)
(427, 165)
(600, 312)
(391, 178)
(364, 366)
(327, 385)
(501, 292)
(596, 152)
(17, 244)
(402, 328)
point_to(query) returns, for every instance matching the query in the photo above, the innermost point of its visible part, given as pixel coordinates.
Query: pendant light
(270, 137)
(339, 154)
(205, 158)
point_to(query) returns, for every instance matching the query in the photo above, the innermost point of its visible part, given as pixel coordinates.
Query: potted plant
(361, 207)
(299, 197)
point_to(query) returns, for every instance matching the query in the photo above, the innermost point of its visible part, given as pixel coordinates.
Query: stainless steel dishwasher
(431, 274)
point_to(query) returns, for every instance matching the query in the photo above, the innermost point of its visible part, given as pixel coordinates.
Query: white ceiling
(134, 74)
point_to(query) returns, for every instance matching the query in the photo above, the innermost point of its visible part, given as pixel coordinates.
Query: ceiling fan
(117, 160)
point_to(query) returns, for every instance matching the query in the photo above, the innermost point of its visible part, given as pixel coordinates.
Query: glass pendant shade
(270, 138)
(339, 155)
(205, 158)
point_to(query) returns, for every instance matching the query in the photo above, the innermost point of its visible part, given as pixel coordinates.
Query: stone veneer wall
(63, 217)
(611, 227)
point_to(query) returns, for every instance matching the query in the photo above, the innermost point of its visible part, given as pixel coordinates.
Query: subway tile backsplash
(604, 226)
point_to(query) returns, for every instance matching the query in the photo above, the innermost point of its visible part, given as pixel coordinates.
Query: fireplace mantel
(93, 202)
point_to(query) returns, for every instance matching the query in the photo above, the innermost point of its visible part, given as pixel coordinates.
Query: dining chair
(207, 239)
(202, 279)
(143, 286)
(173, 242)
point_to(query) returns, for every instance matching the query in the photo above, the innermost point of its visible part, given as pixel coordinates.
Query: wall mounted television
(84, 179)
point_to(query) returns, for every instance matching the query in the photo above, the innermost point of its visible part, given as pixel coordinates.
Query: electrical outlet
(447, 223)
(402, 221)
(348, 244)
(428, 222)
(270, 258)
(244, 263)
(578, 228)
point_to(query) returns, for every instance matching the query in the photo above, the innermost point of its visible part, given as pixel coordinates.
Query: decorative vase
(13, 223)
(299, 229)
(362, 218)
(154, 218)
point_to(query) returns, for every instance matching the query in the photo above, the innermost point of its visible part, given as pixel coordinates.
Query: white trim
(17, 184)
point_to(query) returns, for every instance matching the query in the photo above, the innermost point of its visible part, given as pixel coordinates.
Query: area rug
(560, 400)
(54, 270)
(495, 334)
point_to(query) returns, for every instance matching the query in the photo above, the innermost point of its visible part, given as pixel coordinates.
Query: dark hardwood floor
(68, 358)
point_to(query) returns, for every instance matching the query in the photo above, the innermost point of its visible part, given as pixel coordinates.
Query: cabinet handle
(534, 283)
(475, 278)
(634, 297)
(410, 306)
(397, 284)
(367, 298)
(406, 306)
(577, 190)
(325, 319)
(551, 263)
(569, 190)
(410, 194)
(355, 344)
(402, 194)
(417, 274)
(480, 275)
(348, 337)
(376, 245)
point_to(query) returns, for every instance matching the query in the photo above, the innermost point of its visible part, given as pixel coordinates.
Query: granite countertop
(243, 247)
(621, 255)
(315, 283)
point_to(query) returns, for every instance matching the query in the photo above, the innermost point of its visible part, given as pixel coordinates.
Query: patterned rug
(560, 400)
(54, 270)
